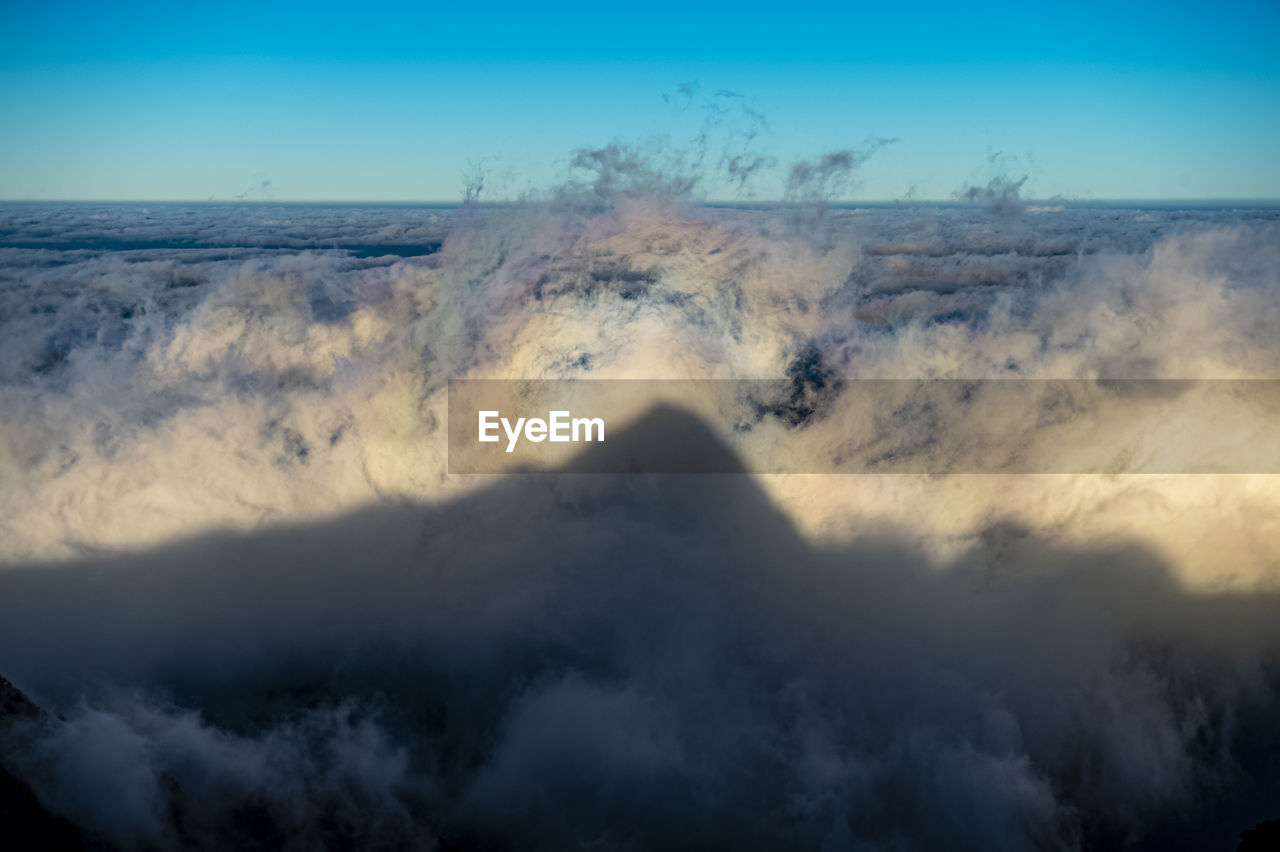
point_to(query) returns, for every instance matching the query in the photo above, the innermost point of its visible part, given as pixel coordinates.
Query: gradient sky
(365, 101)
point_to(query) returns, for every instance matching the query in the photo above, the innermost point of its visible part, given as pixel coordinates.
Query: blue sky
(372, 101)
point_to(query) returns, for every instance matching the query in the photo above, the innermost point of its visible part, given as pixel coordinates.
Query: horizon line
(898, 202)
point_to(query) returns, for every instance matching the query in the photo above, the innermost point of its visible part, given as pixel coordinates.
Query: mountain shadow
(637, 662)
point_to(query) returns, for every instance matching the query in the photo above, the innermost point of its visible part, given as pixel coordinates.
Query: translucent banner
(847, 426)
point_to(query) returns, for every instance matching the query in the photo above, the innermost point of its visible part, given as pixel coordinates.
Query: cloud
(159, 393)
(641, 662)
(1001, 195)
(829, 177)
(234, 560)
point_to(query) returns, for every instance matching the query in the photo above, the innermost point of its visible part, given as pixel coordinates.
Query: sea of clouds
(236, 565)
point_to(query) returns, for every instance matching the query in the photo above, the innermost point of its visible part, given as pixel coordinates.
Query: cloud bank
(156, 393)
(235, 564)
(644, 663)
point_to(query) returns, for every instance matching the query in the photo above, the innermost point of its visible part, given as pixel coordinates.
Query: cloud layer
(645, 663)
(152, 394)
(235, 563)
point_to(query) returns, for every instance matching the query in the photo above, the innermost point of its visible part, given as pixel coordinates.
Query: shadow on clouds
(642, 662)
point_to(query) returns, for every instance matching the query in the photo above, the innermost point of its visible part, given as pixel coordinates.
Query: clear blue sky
(372, 101)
